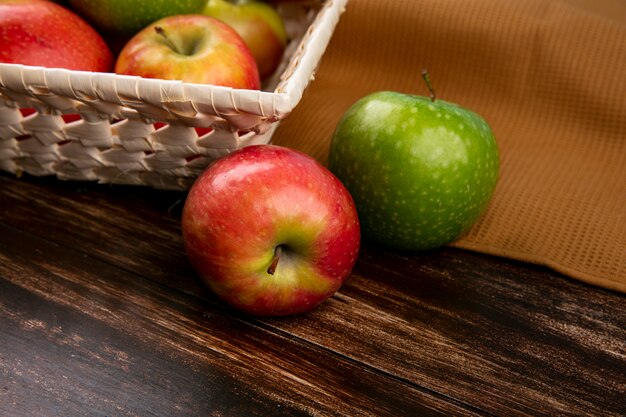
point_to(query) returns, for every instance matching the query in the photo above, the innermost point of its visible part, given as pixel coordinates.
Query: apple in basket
(260, 26)
(193, 48)
(126, 17)
(43, 33)
(421, 170)
(270, 230)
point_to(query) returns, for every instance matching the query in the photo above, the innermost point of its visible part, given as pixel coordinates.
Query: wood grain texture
(100, 337)
(80, 334)
(446, 332)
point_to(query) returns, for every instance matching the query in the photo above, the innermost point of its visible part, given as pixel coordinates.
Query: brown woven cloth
(550, 78)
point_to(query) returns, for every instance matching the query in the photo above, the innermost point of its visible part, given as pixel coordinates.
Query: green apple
(421, 170)
(126, 17)
(260, 26)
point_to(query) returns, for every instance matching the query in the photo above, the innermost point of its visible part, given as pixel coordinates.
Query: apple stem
(277, 252)
(429, 84)
(168, 41)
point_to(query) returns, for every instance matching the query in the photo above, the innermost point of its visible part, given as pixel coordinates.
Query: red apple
(43, 33)
(260, 26)
(270, 230)
(192, 48)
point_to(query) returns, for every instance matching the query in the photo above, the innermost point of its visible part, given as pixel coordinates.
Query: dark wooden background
(102, 315)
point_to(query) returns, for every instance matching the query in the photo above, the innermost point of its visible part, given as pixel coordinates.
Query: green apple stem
(277, 253)
(429, 84)
(168, 41)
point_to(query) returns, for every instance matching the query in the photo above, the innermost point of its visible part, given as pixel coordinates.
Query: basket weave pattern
(129, 130)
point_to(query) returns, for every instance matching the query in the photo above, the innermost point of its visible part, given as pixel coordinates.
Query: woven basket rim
(141, 131)
(177, 96)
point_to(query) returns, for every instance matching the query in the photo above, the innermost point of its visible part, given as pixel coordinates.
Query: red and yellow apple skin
(191, 48)
(267, 207)
(260, 26)
(42, 33)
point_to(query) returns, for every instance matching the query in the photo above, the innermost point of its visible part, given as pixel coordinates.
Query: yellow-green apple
(193, 48)
(260, 26)
(126, 17)
(270, 230)
(43, 33)
(421, 170)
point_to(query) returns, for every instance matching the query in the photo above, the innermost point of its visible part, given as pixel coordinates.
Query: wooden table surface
(102, 315)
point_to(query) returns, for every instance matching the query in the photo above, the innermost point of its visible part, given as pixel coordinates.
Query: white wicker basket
(142, 131)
